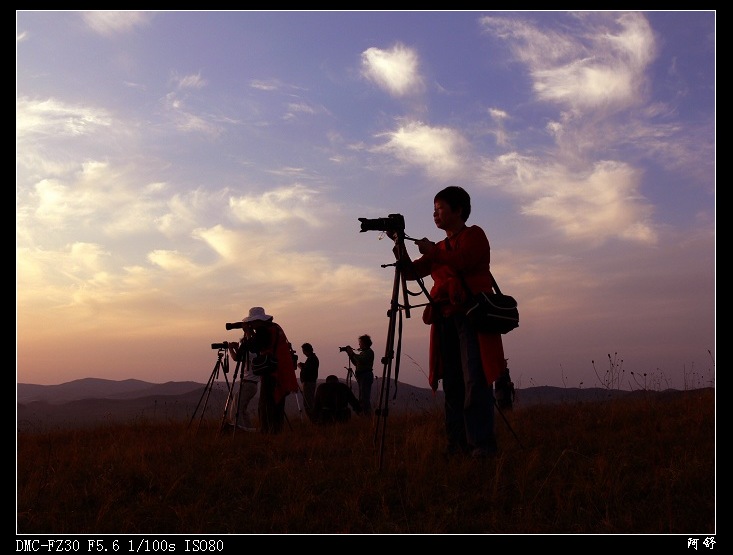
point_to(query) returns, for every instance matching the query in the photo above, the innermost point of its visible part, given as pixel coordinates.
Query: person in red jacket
(467, 361)
(268, 341)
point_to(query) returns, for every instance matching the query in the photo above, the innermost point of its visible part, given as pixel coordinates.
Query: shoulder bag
(490, 311)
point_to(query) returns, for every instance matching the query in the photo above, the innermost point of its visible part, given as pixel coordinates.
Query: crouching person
(332, 402)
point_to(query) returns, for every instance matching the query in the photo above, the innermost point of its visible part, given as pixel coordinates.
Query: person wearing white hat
(273, 362)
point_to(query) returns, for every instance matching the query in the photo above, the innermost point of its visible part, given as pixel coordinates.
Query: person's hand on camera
(425, 245)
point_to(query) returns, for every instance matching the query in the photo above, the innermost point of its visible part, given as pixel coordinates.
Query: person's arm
(412, 269)
(471, 258)
(472, 248)
(353, 357)
(351, 398)
(363, 360)
(234, 350)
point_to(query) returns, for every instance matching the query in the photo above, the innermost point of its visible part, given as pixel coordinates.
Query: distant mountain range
(92, 401)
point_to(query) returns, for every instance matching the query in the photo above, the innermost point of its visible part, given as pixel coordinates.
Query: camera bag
(490, 311)
(493, 312)
(263, 365)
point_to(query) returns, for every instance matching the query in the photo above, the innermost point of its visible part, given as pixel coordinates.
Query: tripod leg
(507, 424)
(383, 410)
(206, 393)
(297, 402)
(230, 399)
(402, 258)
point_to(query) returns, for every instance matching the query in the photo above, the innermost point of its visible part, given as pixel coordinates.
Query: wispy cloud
(109, 23)
(396, 70)
(439, 151)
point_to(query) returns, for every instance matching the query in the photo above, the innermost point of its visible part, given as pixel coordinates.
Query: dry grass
(642, 464)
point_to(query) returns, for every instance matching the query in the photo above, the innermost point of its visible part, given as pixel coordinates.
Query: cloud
(438, 150)
(395, 70)
(294, 109)
(593, 205)
(97, 199)
(53, 118)
(264, 85)
(596, 77)
(109, 23)
(48, 133)
(279, 205)
(186, 120)
(601, 67)
(499, 117)
(193, 81)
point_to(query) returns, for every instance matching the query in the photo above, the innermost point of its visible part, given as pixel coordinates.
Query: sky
(174, 169)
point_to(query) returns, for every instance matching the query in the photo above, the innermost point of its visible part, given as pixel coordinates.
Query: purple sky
(174, 169)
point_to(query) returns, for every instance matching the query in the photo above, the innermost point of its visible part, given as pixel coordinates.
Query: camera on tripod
(223, 345)
(342, 349)
(235, 325)
(392, 223)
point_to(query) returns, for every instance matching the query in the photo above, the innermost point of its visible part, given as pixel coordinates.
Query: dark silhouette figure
(332, 402)
(309, 377)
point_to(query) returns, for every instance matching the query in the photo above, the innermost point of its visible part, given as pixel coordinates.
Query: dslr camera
(342, 349)
(392, 223)
(234, 325)
(224, 345)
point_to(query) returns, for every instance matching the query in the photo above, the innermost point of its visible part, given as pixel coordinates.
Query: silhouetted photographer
(363, 359)
(273, 363)
(332, 402)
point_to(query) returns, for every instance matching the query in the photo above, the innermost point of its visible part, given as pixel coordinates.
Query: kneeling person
(332, 402)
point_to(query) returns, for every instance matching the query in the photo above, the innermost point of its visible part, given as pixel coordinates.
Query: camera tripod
(349, 374)
(242, 364)
(222, 363)
(395, 309)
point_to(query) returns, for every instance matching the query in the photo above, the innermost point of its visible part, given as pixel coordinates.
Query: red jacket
(286, 381)
(469, 254)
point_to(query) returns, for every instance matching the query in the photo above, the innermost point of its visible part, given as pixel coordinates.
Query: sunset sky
(174, 169)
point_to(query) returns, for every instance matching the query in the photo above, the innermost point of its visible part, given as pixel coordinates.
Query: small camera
(342, 349)
(223, 345)
(234, 325)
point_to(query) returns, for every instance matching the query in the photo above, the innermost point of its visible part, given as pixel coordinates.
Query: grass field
(637, 465)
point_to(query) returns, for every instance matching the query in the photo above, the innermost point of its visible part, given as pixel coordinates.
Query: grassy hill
(637, 464)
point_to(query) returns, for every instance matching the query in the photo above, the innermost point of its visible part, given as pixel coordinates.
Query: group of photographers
(467, 361)
(265, 356)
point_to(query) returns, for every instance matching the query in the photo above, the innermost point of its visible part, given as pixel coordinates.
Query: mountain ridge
(92, 401)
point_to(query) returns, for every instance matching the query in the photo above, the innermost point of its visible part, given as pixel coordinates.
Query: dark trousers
(272, 414)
